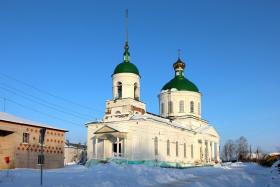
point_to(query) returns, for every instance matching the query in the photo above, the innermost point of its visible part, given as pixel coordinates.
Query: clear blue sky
(70, 49)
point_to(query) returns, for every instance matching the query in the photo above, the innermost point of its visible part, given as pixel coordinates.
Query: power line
(42, 101)
(46, 114)
(47, 93)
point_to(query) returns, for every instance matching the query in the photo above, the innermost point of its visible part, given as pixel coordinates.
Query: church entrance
(109, 143)
(115, 149)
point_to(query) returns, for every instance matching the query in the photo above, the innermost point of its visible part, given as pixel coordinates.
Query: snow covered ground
(107, 175)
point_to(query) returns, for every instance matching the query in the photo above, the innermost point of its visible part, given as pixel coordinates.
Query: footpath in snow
(109, 175)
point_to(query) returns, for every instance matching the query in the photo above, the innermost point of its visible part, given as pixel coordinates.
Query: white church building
(178, 135)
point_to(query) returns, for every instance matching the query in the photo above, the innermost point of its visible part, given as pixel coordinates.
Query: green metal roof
(126, 67)
(180, 83)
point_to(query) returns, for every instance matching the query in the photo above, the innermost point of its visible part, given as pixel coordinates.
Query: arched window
(198, 108)
(181, 106)
(162, 108)
(119, 90)
(191, 107)
(177, 149)
(168, 147)
(156, 145)
(136, 94)
(185, 150)
(170, 107)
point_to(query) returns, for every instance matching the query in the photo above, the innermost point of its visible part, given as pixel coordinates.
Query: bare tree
(229, 150)
(259, 153)
(242, 148)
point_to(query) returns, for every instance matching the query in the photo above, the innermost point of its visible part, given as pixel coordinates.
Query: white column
(95, 147)
(118, 142)
(211, 151)
(218, 152)
(103, 149)
(202, 150)
(124, 150)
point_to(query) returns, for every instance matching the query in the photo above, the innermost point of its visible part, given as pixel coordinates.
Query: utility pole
(41, 158)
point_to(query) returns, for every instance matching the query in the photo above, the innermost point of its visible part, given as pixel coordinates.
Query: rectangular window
(170, 107)
(168, 147)
(25, 138)
(181, 107)
(156, 145)
(162, 108)
(185, 150)
(191, 107)
(177, 149)
(192, 150)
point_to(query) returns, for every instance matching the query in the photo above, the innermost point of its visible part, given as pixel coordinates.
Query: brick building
(19, 143)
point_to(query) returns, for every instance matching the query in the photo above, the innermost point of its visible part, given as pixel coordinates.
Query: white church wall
(143, 142)
(140, 141)
(175, 97)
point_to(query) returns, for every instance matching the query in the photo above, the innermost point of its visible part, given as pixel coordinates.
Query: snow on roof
(208, 129)
(11, 118)
(160, 119)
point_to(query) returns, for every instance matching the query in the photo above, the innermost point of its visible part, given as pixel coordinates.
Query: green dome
(126, 67)
(180, 83)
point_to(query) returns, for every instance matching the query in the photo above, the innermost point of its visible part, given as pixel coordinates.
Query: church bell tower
(126, 88)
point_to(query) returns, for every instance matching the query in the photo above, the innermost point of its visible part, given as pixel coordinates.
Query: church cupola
(179, 82)
(126, 66)
(179, 67)
(179, 97)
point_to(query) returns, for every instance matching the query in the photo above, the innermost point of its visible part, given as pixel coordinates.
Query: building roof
(75, 145)
(14, 119)
(206, 129)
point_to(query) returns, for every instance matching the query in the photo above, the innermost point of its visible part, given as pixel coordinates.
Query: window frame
(162, 108)
(185, 150)
(119, 90)
(192, 150)
(168, 147)
(177, 148)
(25, 139)
(156, 146)
(170, 107)
(181, 106)
(192, 107)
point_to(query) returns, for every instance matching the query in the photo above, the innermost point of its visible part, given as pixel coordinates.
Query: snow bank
(110, 175)
(275, 174)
